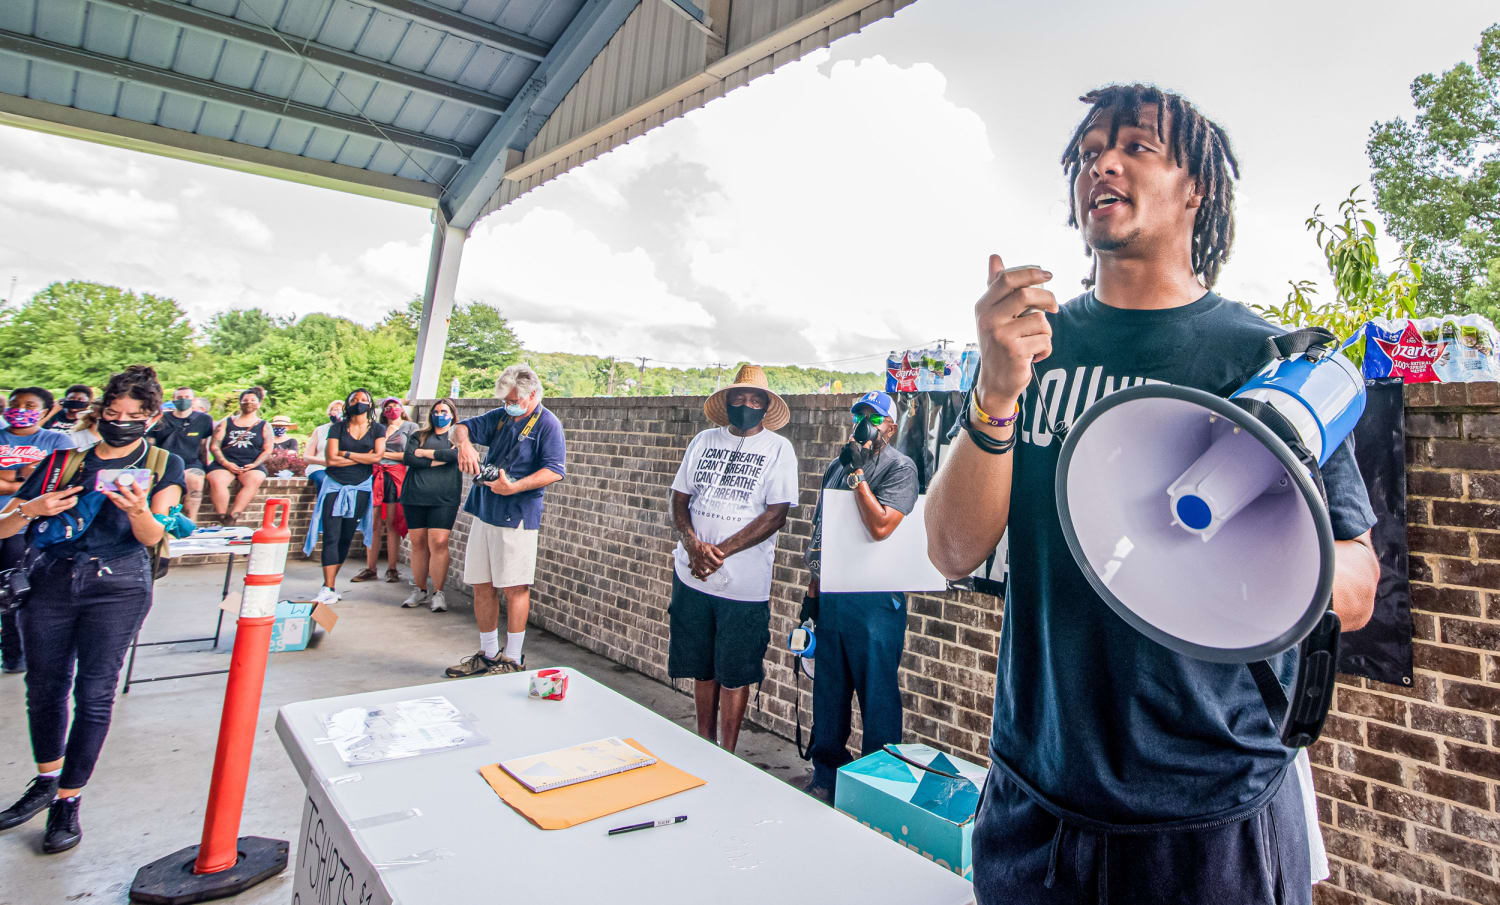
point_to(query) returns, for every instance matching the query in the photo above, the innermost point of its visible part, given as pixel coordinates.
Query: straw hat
(750, 377)
(283, 421)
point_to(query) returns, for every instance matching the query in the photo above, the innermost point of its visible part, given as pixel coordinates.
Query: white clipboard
(853, 562)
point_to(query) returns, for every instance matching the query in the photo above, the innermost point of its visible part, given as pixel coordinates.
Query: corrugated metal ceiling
(332, 80)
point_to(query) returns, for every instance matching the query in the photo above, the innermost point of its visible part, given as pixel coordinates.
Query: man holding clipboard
(860, 635)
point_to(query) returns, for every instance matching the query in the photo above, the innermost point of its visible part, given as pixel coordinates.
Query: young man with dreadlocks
(1123, 772)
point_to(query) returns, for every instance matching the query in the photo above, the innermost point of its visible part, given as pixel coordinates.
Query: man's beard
(1107, 243)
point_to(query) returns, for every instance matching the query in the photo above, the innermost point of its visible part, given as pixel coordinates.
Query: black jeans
(338, 531)
(12, 554)
(85, 612)
(1026, 855)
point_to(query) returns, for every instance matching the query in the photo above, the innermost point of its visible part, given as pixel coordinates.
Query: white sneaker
(327, 595)
(439, 603)
(416, 598)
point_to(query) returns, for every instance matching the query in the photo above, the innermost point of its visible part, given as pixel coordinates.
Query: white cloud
(246, 226)
(110, 207)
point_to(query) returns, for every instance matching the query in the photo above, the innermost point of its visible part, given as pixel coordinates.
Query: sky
(838, 208)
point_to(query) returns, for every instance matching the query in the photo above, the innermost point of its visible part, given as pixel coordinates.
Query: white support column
(437, 308)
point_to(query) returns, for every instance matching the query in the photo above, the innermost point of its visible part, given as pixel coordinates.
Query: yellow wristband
(981, 417)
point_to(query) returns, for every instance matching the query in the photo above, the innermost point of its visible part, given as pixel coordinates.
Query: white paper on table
(853, 562)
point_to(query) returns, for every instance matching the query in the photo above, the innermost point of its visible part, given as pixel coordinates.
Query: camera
(13, 589)
(487, 473)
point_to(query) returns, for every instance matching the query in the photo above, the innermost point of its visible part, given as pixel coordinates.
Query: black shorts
(440, 518)
(714, 638)
(219, 466)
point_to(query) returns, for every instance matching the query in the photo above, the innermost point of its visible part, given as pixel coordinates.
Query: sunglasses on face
(876, 420)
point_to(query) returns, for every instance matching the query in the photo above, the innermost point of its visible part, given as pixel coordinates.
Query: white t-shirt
(732, 480)
(317, 445)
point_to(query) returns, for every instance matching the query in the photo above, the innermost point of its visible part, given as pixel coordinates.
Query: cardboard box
(295, 621)
(931, 814)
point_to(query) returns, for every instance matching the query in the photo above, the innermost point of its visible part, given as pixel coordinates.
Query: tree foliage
(79, 332)
(1437, 180)
(1362, 291)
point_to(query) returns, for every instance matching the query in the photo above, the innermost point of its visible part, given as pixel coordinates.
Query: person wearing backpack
(90, 555)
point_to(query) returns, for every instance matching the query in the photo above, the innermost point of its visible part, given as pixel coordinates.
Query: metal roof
(401, 89)
(459, 104)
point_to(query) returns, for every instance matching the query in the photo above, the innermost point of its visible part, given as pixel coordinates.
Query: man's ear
(1195, 195)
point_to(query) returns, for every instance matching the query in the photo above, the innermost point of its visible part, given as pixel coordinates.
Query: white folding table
(429, 829)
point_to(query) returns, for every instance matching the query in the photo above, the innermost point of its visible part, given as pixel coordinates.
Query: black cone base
(171, 881)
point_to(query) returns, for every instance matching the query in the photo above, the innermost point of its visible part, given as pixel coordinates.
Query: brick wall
(1406, 777)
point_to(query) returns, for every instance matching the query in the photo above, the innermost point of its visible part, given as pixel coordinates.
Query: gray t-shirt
(396, 440)
(892, 477)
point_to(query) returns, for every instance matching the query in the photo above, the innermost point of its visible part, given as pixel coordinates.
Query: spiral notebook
(579, 763)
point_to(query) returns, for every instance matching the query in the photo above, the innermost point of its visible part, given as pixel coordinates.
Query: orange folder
(558, 809)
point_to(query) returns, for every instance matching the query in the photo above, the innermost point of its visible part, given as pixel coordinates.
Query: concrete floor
(147, 795)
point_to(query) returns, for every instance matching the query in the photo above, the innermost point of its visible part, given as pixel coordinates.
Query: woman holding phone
(90, 590)
(354, 446)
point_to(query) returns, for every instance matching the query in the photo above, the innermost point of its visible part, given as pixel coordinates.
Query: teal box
(912, 803)
(295, 622)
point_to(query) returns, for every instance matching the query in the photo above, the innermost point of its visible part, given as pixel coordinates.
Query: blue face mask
(516, 410)
(442, 420)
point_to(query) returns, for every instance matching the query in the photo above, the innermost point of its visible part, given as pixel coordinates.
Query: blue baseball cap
(876, 400)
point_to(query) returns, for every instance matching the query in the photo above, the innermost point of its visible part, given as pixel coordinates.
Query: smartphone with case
(108, 478)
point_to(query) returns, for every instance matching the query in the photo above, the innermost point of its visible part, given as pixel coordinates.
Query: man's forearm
(763, 526)
(537, 479)
(682, 517)
(879, 520)
(968, 506)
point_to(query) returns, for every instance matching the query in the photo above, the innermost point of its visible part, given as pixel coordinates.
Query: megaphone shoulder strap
(1299, 717)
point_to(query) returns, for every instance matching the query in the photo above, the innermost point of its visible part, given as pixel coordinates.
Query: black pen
(665, 821)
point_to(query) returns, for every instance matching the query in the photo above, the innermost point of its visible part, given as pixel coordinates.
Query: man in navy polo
(526, 446)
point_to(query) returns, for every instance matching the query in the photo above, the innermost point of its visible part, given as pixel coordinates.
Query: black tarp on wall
(1382, 650)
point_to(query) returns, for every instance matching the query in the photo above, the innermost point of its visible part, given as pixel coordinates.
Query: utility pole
(718, 374)
(644, 359)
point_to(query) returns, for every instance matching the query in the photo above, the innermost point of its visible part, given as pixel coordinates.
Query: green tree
(1437, 179)
(236, 330)
(479, 337)
(1362, 291)
(81, 332)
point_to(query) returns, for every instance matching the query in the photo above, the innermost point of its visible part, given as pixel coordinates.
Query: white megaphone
(1202, 521)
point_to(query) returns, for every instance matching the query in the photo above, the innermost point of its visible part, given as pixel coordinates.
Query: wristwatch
(854, 480)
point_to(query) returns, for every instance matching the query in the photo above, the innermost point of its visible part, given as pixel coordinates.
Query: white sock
(513, 642)
(52, 774)
(489, 643)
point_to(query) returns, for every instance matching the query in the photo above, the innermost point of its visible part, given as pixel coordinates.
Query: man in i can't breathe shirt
(729, 500)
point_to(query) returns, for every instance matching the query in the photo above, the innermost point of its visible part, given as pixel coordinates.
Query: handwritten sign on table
(331, 870)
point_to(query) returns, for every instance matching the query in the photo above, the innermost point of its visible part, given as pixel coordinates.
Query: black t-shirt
(353, 474)
(61, 422)
(428, 484)
(1090, 713)
(109, 534)
(184, 436)
(243, 445)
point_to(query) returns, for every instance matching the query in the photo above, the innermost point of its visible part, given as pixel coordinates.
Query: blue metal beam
(554, 77)
(692, 11)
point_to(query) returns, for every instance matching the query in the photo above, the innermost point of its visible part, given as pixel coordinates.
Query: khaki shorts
(503, 557)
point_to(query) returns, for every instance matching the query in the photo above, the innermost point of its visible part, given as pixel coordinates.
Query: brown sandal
(392, 576)
(364, 575)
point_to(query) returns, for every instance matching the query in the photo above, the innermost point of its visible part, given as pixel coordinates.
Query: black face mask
(358, 408)
(334, 419)
(745, 418)
(864, 432)
(74, 405)
(121, 433)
